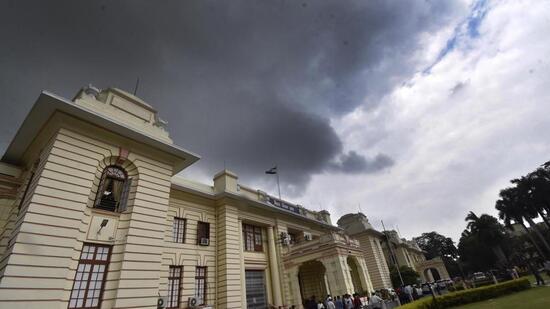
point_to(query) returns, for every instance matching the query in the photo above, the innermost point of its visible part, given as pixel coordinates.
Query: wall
(376, 263)
(190, 254)
(55, 221)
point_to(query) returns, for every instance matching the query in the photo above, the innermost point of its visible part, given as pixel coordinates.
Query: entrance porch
(332, 264)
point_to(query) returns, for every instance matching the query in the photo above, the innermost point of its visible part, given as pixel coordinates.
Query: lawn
(534, 298)
(544, 276)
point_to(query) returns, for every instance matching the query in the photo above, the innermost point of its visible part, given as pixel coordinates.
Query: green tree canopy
(481, 245)
(435, 244)
(408, 274)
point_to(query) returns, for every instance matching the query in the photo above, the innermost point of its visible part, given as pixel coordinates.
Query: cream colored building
(371, 241)
(401, 252)
(92, 215)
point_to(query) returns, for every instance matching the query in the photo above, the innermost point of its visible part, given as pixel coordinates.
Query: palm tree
(533, 190)
(488, 230)
(521, 195)
(540, 186)
(508, 212)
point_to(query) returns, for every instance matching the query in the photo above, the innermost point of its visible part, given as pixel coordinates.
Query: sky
(412, 112)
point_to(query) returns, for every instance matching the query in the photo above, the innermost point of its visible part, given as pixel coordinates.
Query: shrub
(459, 288)
(423, 303)
(470, 295)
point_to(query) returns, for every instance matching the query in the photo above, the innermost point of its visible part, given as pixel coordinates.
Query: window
(292, 238)
(252, 236)
(174, 286)
(90, 276)
(113, 190)
(200, 285)
(178, 234)
(203, 233)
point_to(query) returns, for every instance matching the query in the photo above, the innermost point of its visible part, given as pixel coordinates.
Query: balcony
(329, 240)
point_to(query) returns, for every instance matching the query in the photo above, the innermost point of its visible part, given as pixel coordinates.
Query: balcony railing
(323, 240)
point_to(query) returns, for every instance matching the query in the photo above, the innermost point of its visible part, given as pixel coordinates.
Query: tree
(509, 209)
(409, 275)
(475, 255)
(487, 231)
(536, 186)
(436, 245)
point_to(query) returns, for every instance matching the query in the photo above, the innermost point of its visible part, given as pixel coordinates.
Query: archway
(311, 276)
(431, 274)
(354, 272)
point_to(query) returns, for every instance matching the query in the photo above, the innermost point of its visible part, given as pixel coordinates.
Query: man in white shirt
(375, 301)
(409, 291)
(330, 303)
(348, 303)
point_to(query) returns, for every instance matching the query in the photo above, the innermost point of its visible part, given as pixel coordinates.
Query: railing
(329, 238)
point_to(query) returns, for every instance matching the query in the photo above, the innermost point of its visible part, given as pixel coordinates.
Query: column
(364, 274)
(229, 258)
(294, 282)
(338, 275)
(430, 276)
(243, 269)
(274, 266)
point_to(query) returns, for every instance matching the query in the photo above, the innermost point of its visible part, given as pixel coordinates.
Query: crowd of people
(401, 295)
(346, 301)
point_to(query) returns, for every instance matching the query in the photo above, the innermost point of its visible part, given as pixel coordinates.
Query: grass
(534, 298)
(534, 281)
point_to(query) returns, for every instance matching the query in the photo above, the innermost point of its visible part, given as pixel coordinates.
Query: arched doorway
(431, 274)
(354, 272)
(311, 276)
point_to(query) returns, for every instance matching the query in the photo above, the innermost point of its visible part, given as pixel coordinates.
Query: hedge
(470, 296)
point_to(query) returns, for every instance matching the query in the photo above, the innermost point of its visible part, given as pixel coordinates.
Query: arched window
(113, 189)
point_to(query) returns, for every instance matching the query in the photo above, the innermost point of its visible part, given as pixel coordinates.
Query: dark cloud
(251, 83)
(458, 87)
(353, 163)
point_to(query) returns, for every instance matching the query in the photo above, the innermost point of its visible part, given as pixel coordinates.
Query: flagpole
(392, 255)
(275, 170)
(279, 186)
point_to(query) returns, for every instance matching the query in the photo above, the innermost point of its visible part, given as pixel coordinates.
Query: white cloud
(458, 133)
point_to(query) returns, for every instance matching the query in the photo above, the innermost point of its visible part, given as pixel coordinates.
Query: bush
(470, 295)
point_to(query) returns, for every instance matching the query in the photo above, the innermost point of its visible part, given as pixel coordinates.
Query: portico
(332, 264)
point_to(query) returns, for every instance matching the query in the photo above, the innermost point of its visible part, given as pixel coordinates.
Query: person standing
(357, 301)
(339, 303)
(536, 273)
(325, 302)
(419, 292)
(311, 303)
(330, 303)
(375, 301)
(348, 303)
(409, 291)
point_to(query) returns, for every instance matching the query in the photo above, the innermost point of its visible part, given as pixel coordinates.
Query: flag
(272, 170)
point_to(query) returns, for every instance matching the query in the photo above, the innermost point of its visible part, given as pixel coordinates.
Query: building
(371, 241)
(93, 215)
(401, 252)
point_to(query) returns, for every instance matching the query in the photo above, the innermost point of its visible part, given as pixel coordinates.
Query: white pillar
(294, 281)
(243, 270)
(338, 275)
(430, 275)
(274, 266)
(364, 274)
